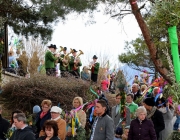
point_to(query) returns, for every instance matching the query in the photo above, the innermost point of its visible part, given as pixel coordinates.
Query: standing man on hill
(4, 125)
(94, 69)
(64, 62)
(50, 58)
(74, 64)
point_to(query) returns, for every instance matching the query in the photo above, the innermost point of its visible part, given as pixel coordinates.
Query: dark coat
(158, 122)
(40, 122)
(23, 134)
(4, 125)
(44, 137)
(137, 95)
(142, 131)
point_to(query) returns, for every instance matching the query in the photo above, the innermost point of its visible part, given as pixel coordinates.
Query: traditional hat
(74, 50)
(52, 46)
(95, 57)
(55, 47)
(149, 101)
(65, 48)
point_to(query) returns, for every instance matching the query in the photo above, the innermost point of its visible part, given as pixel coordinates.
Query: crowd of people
(148, 120)
(146, 115)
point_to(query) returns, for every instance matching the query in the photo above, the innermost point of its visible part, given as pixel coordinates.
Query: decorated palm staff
(94, 66)
(64, 61)
(50, 58)
(75, 63)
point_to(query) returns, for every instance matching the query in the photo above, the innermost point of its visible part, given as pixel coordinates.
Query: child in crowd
(104, 84)
(177, 122)
(126, 132)
(118, 134)
(136, 80)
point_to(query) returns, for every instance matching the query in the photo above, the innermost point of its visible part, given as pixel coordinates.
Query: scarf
(56, 118)
(151, 113)
(42, 114)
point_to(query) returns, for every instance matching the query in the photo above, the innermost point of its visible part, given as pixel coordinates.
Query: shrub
(25, 93)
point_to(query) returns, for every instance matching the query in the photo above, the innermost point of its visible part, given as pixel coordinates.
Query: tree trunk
(149, 42)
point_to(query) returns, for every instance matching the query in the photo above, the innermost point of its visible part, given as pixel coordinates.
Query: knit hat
(119, 131)
(36, 109)
(56, 109)
(149, 101)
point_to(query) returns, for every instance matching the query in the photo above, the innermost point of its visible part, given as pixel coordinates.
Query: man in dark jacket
(136, 91)
(94, 69)
(4, 125)
(154, 114)
(23, 131)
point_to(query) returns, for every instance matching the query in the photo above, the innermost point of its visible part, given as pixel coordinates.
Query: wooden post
(5, 60)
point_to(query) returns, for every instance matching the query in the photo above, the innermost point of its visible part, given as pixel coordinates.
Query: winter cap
(119, 131)
(36, 109)
(56, 109)
(149, 101)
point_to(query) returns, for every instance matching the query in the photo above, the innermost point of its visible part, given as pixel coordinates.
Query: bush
(24, 93)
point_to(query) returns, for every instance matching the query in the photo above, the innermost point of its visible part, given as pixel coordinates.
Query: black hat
(74, 50)
(149, 101)
(52, 46)
(95, 57)
(119, 131)
(65, 48)
(55, 47)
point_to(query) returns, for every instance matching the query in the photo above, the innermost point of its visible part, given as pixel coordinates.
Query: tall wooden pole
(5, 60)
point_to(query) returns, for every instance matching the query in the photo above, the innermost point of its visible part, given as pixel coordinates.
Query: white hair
(155, 89)
(135, 84)
(141, 109)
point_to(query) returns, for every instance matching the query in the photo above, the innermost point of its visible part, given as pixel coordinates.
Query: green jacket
(95, 69)
(62, 67)
(71, 65)
(50, 60)
(133, 107)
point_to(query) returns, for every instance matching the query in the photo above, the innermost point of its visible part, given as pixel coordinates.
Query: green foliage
(174, 91)
(174, 136)
(168, 9)
(137, 55)
(80, 134)
(1, 47)
(37, 17)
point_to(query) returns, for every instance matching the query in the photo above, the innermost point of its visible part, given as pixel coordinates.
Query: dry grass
(25, 93)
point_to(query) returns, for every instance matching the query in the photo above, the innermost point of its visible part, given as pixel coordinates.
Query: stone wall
(7, 77)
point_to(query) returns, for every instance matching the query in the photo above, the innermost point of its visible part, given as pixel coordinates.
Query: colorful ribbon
(94, 92)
